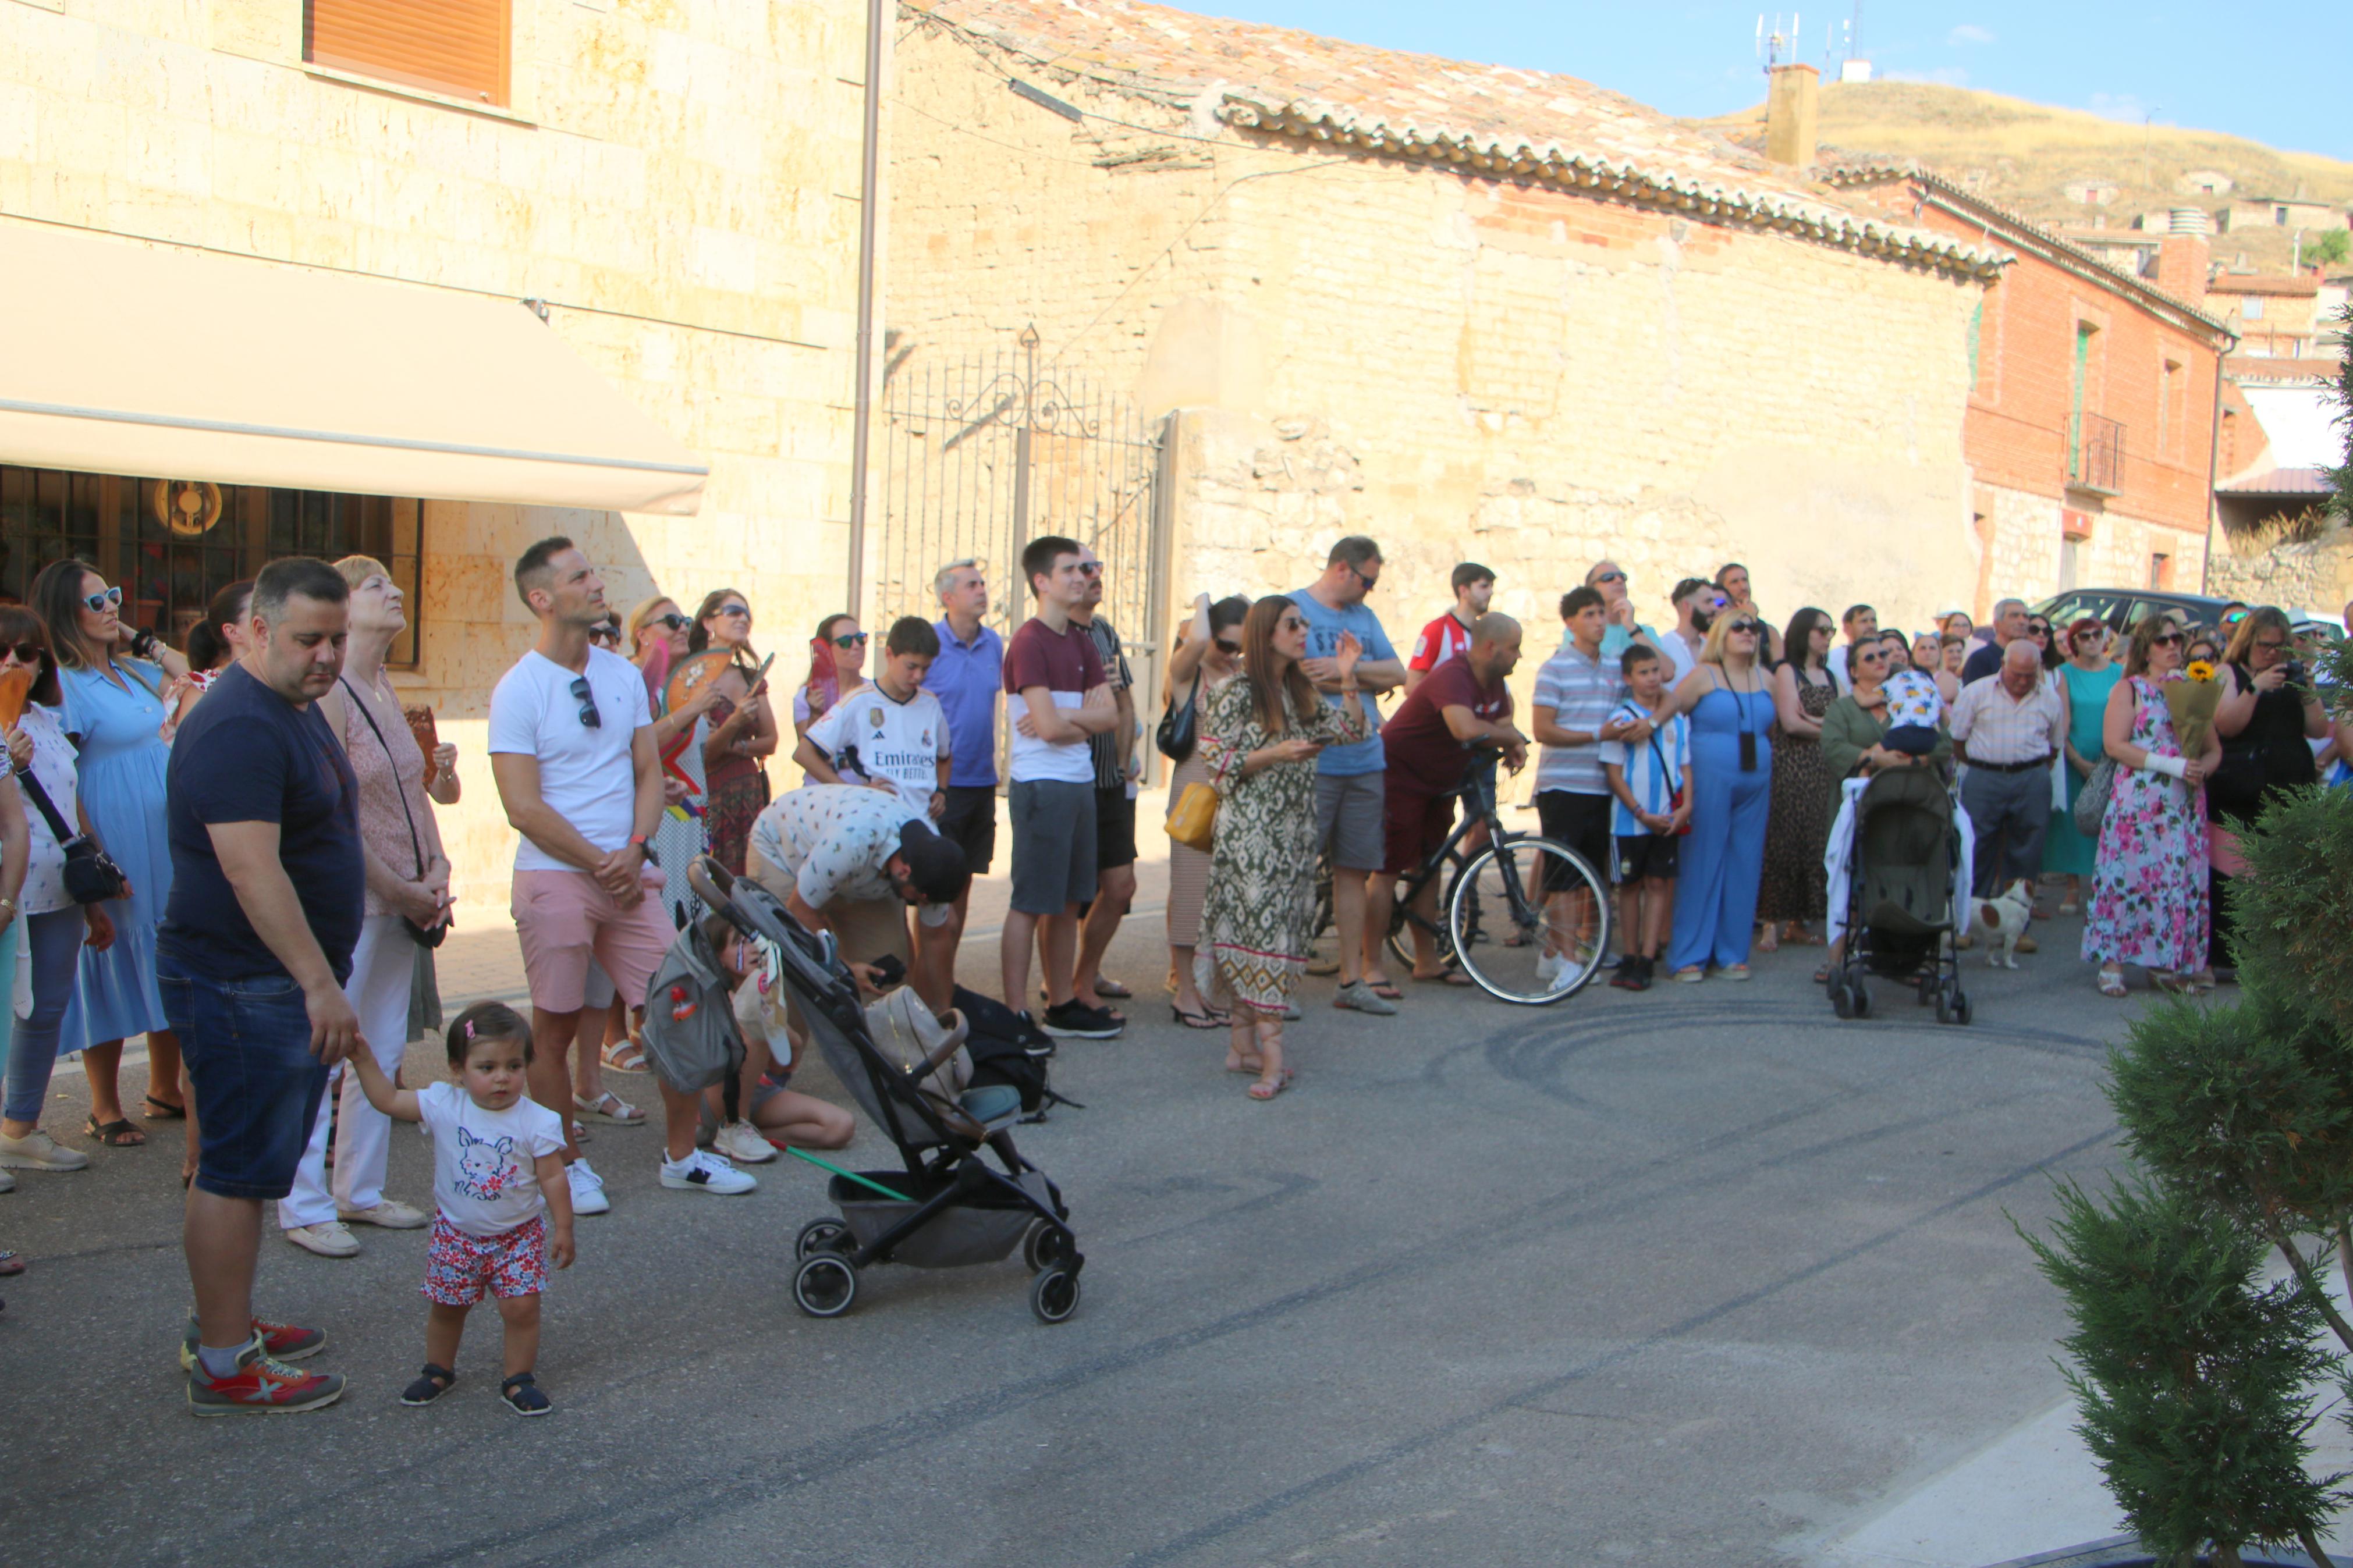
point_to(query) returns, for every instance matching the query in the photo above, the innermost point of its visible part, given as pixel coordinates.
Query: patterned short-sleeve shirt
(833, 841)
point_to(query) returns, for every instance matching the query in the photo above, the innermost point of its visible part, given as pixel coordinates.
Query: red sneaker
(279, 1342)
(260, 1386)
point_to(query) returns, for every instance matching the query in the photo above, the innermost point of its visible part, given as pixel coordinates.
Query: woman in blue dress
(114, 708)
(1730, 701)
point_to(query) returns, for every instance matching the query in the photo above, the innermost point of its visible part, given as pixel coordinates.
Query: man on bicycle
(1460, 705)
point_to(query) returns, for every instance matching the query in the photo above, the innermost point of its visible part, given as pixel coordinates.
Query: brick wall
(1463, 368)
(681, 181)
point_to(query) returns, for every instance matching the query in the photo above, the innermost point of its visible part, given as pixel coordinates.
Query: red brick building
(2091, 424)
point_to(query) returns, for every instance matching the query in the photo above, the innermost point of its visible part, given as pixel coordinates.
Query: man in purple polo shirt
(967, 678)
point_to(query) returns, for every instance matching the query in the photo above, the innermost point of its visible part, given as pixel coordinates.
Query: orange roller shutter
(457, 47)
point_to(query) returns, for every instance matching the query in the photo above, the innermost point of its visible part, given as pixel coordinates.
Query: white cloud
(1943, 75)
(2123, 106)
(1969, 33)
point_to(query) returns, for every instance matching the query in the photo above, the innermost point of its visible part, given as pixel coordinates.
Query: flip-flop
(116, 1134)
(1203, 1020)
(1112, 988)
(163, 1109)
(1267, 1087)
(1450, 975)
(1387, 991)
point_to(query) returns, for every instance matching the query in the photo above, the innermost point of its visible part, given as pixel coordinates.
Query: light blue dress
(1724, 856)
(120, 732)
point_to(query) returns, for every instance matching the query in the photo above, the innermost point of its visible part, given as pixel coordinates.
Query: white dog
(2001, 920)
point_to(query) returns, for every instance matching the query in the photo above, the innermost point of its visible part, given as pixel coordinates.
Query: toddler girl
(498, 1190)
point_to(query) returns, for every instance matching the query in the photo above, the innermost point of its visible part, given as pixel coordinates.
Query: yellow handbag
(1194, 822)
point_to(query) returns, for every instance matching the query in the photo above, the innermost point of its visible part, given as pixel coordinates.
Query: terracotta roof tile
(1481, 118)
(2263, 283)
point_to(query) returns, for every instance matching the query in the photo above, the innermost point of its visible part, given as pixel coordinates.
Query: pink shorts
(459, 1268)
(565, 918)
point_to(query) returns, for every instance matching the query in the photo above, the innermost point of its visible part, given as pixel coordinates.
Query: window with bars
(171, 544)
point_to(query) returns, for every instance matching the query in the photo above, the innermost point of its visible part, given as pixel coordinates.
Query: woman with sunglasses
(1729, 698)
(742, 729)
(659, 637)
(2269, 714)
(837, 669)
(1793, 890)
(111, 681)
(1854, 732)
(2148, 887)
(1208, 654)
(1260, 738)
(2086, 682)
(54, 928)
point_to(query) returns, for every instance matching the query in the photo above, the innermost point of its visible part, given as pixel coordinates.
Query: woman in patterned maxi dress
(1259, 737)
(2149, 880)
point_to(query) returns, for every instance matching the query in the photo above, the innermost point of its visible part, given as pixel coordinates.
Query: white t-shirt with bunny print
(485, 1176)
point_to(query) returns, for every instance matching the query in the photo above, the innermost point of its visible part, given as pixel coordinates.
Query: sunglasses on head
(95, 604)
(589, 717)
(854, 640)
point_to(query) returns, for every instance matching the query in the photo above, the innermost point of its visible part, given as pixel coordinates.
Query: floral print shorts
(459, 1268)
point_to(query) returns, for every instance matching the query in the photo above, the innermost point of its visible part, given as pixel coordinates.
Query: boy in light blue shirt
(1653, 780)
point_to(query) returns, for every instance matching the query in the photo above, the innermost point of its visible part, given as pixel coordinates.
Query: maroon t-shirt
(1423, 754)
(1066, 665)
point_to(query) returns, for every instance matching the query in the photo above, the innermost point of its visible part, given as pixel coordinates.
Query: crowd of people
(233, 851)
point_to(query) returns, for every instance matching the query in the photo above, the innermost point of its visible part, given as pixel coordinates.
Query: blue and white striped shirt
(1654, 768)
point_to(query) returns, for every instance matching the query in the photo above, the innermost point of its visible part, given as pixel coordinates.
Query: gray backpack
(690, 1031)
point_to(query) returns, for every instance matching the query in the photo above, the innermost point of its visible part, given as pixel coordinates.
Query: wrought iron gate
(982, 455)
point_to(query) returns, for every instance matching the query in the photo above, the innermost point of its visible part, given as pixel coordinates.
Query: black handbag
(1180, 727)
(89, 877)
(426, 936)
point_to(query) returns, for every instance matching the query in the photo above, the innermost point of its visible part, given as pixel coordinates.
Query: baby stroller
(1902, 869)
(949, 1207)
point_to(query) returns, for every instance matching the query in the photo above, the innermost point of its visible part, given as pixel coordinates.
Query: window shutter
(457, 47)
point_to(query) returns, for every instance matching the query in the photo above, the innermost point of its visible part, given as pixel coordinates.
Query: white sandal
(610, 1106)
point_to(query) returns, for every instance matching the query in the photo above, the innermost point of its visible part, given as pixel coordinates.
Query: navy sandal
(522, 1395)
(430, 1386)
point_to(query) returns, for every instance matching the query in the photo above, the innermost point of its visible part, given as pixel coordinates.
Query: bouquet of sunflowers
(2192, 700)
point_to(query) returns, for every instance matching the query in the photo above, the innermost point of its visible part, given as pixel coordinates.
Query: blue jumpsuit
(1724, 856)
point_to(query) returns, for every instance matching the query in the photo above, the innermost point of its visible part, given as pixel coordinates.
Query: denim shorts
(247, 1044)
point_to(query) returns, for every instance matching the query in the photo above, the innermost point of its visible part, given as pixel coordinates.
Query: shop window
(171, 544)
(456, 47)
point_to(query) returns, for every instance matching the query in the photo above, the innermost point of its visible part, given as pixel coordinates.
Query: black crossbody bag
(426, 936)
(89, 877)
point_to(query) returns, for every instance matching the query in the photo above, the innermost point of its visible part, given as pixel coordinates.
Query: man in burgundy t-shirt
(1429, 743)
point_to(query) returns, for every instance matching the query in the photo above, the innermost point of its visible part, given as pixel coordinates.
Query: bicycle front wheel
(1564, 930)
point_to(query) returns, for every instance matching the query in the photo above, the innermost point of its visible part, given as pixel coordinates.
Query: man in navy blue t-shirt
(262, 814)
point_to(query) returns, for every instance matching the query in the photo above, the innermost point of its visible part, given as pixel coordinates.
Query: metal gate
(982, 455)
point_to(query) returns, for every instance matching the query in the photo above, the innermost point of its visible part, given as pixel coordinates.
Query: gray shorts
(1350, 809)
(1053, 844)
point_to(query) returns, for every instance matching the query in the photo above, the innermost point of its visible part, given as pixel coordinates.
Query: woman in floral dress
(2149, 880)
(1260, 738)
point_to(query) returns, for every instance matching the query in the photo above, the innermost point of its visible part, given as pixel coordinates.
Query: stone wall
(1463, 368)
(678, 181)
(2318, 576)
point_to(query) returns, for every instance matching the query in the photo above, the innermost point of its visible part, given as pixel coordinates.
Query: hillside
(2025, 155)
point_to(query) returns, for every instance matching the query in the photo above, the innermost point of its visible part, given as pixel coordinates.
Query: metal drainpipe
(2213, 460)
(869, 198)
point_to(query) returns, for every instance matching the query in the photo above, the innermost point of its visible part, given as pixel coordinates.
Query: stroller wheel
(819, 1235)
(1054, 1295)
(1961, 1008)
(1841, 999)
(1944, 1008)
(1044, 1246)
(825, 1285)
(1862, 1000)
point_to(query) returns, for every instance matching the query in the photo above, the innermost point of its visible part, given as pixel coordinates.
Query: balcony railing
(2097, 461)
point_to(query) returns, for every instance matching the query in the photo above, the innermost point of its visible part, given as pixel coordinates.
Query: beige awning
(120, 357)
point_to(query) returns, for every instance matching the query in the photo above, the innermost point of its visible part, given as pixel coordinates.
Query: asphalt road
(1699, 1276)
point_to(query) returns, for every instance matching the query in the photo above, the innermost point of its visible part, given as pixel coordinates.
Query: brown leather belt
(2041, 761)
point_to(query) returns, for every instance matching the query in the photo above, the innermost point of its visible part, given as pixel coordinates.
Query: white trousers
(383, 970)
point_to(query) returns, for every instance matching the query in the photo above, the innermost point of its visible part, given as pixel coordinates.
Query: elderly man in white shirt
(850, 858)
(2008, 726)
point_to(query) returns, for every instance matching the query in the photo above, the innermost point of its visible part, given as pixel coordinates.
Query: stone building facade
(676, 184)
(1476, 312)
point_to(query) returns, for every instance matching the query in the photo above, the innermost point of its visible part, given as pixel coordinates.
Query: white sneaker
(1550, 967)
(37, 1152)
(742, 1141)
(391, 1214)
(587, 1189)
(7, 1182)
(328, 1238)
(705, 1172)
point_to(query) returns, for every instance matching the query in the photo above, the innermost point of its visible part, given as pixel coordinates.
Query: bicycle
(1496, 879)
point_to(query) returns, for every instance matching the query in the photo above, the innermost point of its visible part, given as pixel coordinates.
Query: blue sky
(2268, 71)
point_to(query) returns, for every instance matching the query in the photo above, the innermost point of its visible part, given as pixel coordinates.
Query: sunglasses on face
(97, 604)
(2038, 631)
(2234, 618)
(1748, 626)
(26, 652)
(1228, 648)
(589, 717)
(607, 633)
(2170, 640)
(1291, 624)
(2261, 642)
(1090, 568)
(732, 611)
(1870, 656)
(855, 640)
(1611, 578)
(673, 621)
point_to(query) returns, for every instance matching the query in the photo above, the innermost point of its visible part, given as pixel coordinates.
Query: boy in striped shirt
(1653, 780)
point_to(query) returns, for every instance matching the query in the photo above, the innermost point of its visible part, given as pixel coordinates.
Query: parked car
(2123, 607)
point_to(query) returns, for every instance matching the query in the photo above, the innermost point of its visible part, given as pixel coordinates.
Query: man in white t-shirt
(572, 752)
(890, 735)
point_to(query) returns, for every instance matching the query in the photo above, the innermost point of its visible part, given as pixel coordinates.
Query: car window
(2144, 608)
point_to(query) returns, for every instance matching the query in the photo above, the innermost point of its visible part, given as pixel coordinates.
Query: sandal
(1770, 942)
(1244, 1065)
(523, 1396)
(163, 1110)
(625, 1056)
(2112, 982)
(1450, 975)
(1112, 988)
(10, 1264)
(610, 1107)
(1823, 975)
(430, 1385)
(116, 1134)
(1201, 1020)
(1267, 1087)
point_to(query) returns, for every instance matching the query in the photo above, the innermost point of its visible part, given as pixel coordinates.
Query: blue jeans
(247, 1045)
(56, 941)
